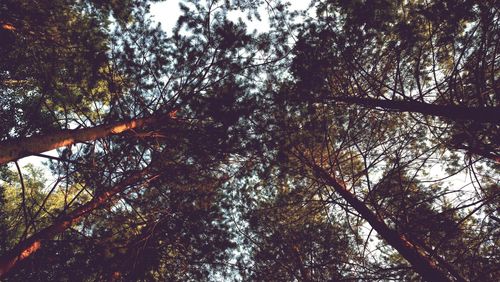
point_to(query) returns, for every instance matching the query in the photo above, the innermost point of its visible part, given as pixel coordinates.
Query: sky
(167, 12)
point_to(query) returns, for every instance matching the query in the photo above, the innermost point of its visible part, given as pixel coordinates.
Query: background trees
(333, 148)
(412, 57)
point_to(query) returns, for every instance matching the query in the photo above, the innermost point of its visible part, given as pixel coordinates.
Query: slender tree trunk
(15, 149)
(29, 246)
(422, 262)
(479, 114)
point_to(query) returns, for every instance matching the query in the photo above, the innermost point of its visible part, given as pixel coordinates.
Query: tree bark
(479, 114)
(32, 244)
(422, 262)
(14, 149)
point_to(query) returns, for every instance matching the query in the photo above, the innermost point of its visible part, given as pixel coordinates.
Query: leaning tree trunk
(422, 262)
(478, 114)
(453, 112)
(29, 246)
(22, 147)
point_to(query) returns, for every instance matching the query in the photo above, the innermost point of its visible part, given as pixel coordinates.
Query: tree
(351, 143)
(159, 235)
(54, 64)
(415, 210)
(213, 152)
(13, 150)
(408, 57)
(206, 72)
(293, 237)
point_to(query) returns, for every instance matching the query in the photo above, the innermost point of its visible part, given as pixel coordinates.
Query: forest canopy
(349, 141)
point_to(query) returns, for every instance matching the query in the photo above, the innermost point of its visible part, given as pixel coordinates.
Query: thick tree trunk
(15, 149)
(423, 263)
(29, 246)
(479, 114)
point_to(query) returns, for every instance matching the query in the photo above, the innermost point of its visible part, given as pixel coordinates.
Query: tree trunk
(479, 114)
(423, 263)
(29, 246)
(22, 147)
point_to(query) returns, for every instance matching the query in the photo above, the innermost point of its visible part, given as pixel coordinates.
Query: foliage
(231, 188)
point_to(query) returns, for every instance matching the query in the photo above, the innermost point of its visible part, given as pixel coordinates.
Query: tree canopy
(354, 140)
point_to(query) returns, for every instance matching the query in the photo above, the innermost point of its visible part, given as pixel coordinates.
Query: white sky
(168, 11)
